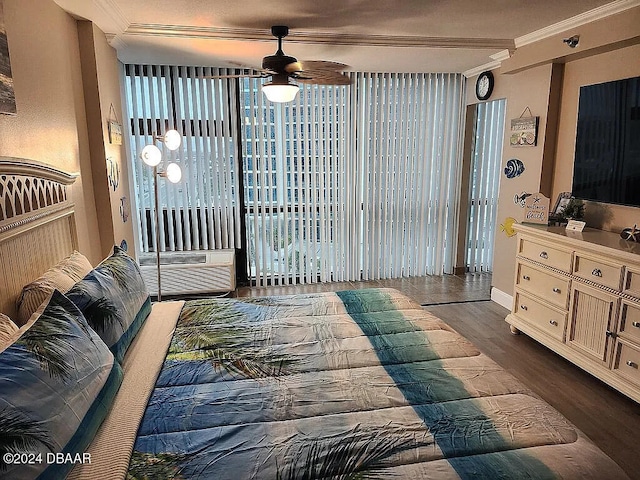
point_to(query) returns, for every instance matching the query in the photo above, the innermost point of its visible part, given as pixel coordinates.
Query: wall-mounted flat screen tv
(607, 160)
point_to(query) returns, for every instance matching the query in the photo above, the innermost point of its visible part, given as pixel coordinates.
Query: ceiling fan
(281, 68)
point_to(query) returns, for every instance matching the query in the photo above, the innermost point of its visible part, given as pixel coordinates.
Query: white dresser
(579, 295)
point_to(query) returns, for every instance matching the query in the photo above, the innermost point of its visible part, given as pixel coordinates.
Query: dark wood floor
(424, 290)
(608, 418)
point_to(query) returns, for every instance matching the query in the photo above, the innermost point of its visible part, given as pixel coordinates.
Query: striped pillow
(114, 299)
(60, 277)
(7, 329)
(58, 381)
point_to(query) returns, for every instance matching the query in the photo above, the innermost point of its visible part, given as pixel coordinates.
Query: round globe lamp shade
(151, 155)
(173, 172)
(172, 139)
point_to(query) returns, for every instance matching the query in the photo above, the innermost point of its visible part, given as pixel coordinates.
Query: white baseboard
(503, 299)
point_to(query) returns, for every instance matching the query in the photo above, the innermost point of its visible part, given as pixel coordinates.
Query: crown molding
(472, 72)
(111, 10)
(573, 22)
(497, 58)
(181, 31)
(116, 41)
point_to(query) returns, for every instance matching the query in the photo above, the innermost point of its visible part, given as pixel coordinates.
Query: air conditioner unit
(193, 272)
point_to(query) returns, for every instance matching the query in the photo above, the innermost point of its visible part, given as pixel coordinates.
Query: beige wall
(51, 123)
(101, 83)
(546, 76)
(622, 63)
(521, 90)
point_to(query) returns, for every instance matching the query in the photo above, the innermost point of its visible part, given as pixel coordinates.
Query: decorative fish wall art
(507, 226)
(521, 199)
(514, 168)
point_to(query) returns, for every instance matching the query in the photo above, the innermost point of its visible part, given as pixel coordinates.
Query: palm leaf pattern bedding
(347, 385)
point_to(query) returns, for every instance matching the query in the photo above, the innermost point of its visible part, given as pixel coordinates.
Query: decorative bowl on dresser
(578, 293)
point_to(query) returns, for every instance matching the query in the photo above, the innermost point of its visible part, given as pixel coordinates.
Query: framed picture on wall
(7, 94)
(524, 132)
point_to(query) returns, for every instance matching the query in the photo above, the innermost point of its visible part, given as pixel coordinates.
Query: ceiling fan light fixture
(280, 91)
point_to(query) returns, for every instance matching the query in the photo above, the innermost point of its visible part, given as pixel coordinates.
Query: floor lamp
(152, 156)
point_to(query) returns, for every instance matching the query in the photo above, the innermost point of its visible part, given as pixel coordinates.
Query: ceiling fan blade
(258, 75)
(315, 65)
(323, 78)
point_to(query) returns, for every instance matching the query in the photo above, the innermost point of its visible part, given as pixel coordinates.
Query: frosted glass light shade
(173, 172)
(172, 139)
(151, 155)
(280, 93)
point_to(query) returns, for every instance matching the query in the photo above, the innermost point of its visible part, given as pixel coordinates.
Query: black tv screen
(607, 160)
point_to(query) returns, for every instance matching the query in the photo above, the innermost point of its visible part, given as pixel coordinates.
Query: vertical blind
(344, 183)
(202, 211)
(408, 152)
(298, 185)
(485, 179)
(351, 183)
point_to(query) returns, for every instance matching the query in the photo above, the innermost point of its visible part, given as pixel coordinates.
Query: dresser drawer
(627, 362)
(629, 324)
(545, 254)
(632, 282)
(598, 271)
(551, 287)
(542, 317)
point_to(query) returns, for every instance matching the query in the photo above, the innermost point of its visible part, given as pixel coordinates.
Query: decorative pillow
(7, 329)
(76, 266)
(114, 300)
(60, 277)
(58, 381)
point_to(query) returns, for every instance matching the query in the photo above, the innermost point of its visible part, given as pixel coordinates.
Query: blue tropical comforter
(353, 384)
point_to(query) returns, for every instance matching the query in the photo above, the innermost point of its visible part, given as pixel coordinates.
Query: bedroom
(60, 114)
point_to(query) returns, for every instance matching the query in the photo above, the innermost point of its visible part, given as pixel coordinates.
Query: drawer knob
(553, 322)
(632, 364)
(544, 255)
(526, 277)
(636, 324)
(611, 334)
(556, 290)
(523, 307)
(596, 272)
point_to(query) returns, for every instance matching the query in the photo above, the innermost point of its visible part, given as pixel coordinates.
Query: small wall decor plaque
(536, 209)
(114, 127)
(524, 130)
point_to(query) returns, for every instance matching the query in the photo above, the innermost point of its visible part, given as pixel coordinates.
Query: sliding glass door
(486, 159)
(353, 183)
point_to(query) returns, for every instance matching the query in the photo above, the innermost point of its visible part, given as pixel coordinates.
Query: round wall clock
(484, 85)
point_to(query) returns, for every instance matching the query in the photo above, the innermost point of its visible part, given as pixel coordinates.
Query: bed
(352, 384)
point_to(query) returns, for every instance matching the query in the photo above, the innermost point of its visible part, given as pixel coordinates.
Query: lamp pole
(152, 156)
(157, 218)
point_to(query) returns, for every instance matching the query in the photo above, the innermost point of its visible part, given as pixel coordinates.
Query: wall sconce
(572, 41)
(152, 156)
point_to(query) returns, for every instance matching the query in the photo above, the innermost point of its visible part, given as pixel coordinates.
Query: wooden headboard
(37, 224)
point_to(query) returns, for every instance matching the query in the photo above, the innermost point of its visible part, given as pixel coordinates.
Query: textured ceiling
(374, 36)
